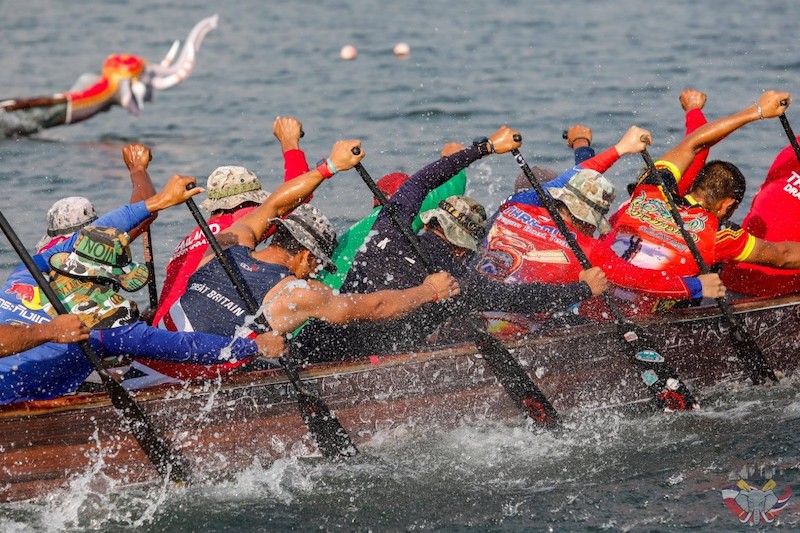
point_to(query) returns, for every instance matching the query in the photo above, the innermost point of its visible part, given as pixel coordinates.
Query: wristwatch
(484, 145)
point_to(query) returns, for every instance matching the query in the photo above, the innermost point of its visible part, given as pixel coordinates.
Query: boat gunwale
(316, 371)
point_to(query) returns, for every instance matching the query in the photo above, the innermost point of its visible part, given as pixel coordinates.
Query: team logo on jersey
(29, 295)
(753, 505)
(656, 213)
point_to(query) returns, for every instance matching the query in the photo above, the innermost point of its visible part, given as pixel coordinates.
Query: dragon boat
(224, 424)
(126, 80)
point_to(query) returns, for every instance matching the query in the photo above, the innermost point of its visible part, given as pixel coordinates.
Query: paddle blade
(332, 439)
(166, 460)
(749, 353)
(517, 383)
(669, 392)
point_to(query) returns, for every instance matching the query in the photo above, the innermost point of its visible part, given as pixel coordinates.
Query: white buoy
(402, 50)
(348, 52)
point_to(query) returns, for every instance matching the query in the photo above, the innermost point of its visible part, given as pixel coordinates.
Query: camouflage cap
(588, 196)
(462, 219)
(314, 231)
(66, 216)
(229, 186)
(98, 306)
(103, 254)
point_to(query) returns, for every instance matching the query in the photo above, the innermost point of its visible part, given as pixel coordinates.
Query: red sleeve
(642, 280)
(294, 164)
(602, 161)
(694, 119)
(733, 243)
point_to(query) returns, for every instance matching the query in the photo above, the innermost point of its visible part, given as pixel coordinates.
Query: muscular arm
(20, 337)
(312, 299)
(137, 158)
(710, 134)
(410, 196)
(775, 254)
(694, 120)
(248, 230)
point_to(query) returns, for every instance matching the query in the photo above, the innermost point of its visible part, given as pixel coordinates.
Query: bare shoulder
(299, 292)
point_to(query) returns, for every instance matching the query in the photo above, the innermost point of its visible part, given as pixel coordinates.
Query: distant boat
(126, 80)
(224, 425)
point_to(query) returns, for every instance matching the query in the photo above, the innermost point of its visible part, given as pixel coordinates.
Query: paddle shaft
(789, 133)
(624, 326)
(752, 356)
(517, 383)
(152, 287)
(167, 460)
(331, 437)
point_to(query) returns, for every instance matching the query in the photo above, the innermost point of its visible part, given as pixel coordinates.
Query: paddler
(233, 191)
(451, 235)
(87, 271)
(280, 275)
(706, 209)
(524, 244)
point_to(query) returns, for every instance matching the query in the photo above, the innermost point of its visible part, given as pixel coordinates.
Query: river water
(474, 65)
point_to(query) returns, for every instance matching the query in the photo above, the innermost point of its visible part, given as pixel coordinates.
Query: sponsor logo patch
(649, 356)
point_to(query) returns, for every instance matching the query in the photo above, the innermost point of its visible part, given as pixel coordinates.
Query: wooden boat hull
(224, 425)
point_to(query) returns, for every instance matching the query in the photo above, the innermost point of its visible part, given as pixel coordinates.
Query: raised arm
(288, 131)
(137, 158)
(771, 104)
(248, 230)
(315, 300)
(411, 195)
(632, 141)
(579, 140)
(692, 102)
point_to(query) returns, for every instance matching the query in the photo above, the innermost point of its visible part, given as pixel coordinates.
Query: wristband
(325, 168)
(760, 114)
(587, 139)
(435, 292)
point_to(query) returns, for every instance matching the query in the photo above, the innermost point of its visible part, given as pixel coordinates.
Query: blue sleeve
(124, 218)
(141, 340)
(583, 153)
(695, 286)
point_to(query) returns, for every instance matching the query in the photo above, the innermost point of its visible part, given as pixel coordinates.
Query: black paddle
(789, 133)
(168, 461)
(332, 439)
(152, 287)
(661, 379)
(747, 351)
(516, 382)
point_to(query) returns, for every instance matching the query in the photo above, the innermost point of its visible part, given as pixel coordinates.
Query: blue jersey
(211, 303)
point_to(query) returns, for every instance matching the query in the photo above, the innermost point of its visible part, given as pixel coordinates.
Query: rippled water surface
(537, 66)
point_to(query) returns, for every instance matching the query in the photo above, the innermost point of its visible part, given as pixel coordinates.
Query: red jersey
(646, 233)
(694, 119)
(524, 245)
(771, 218)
